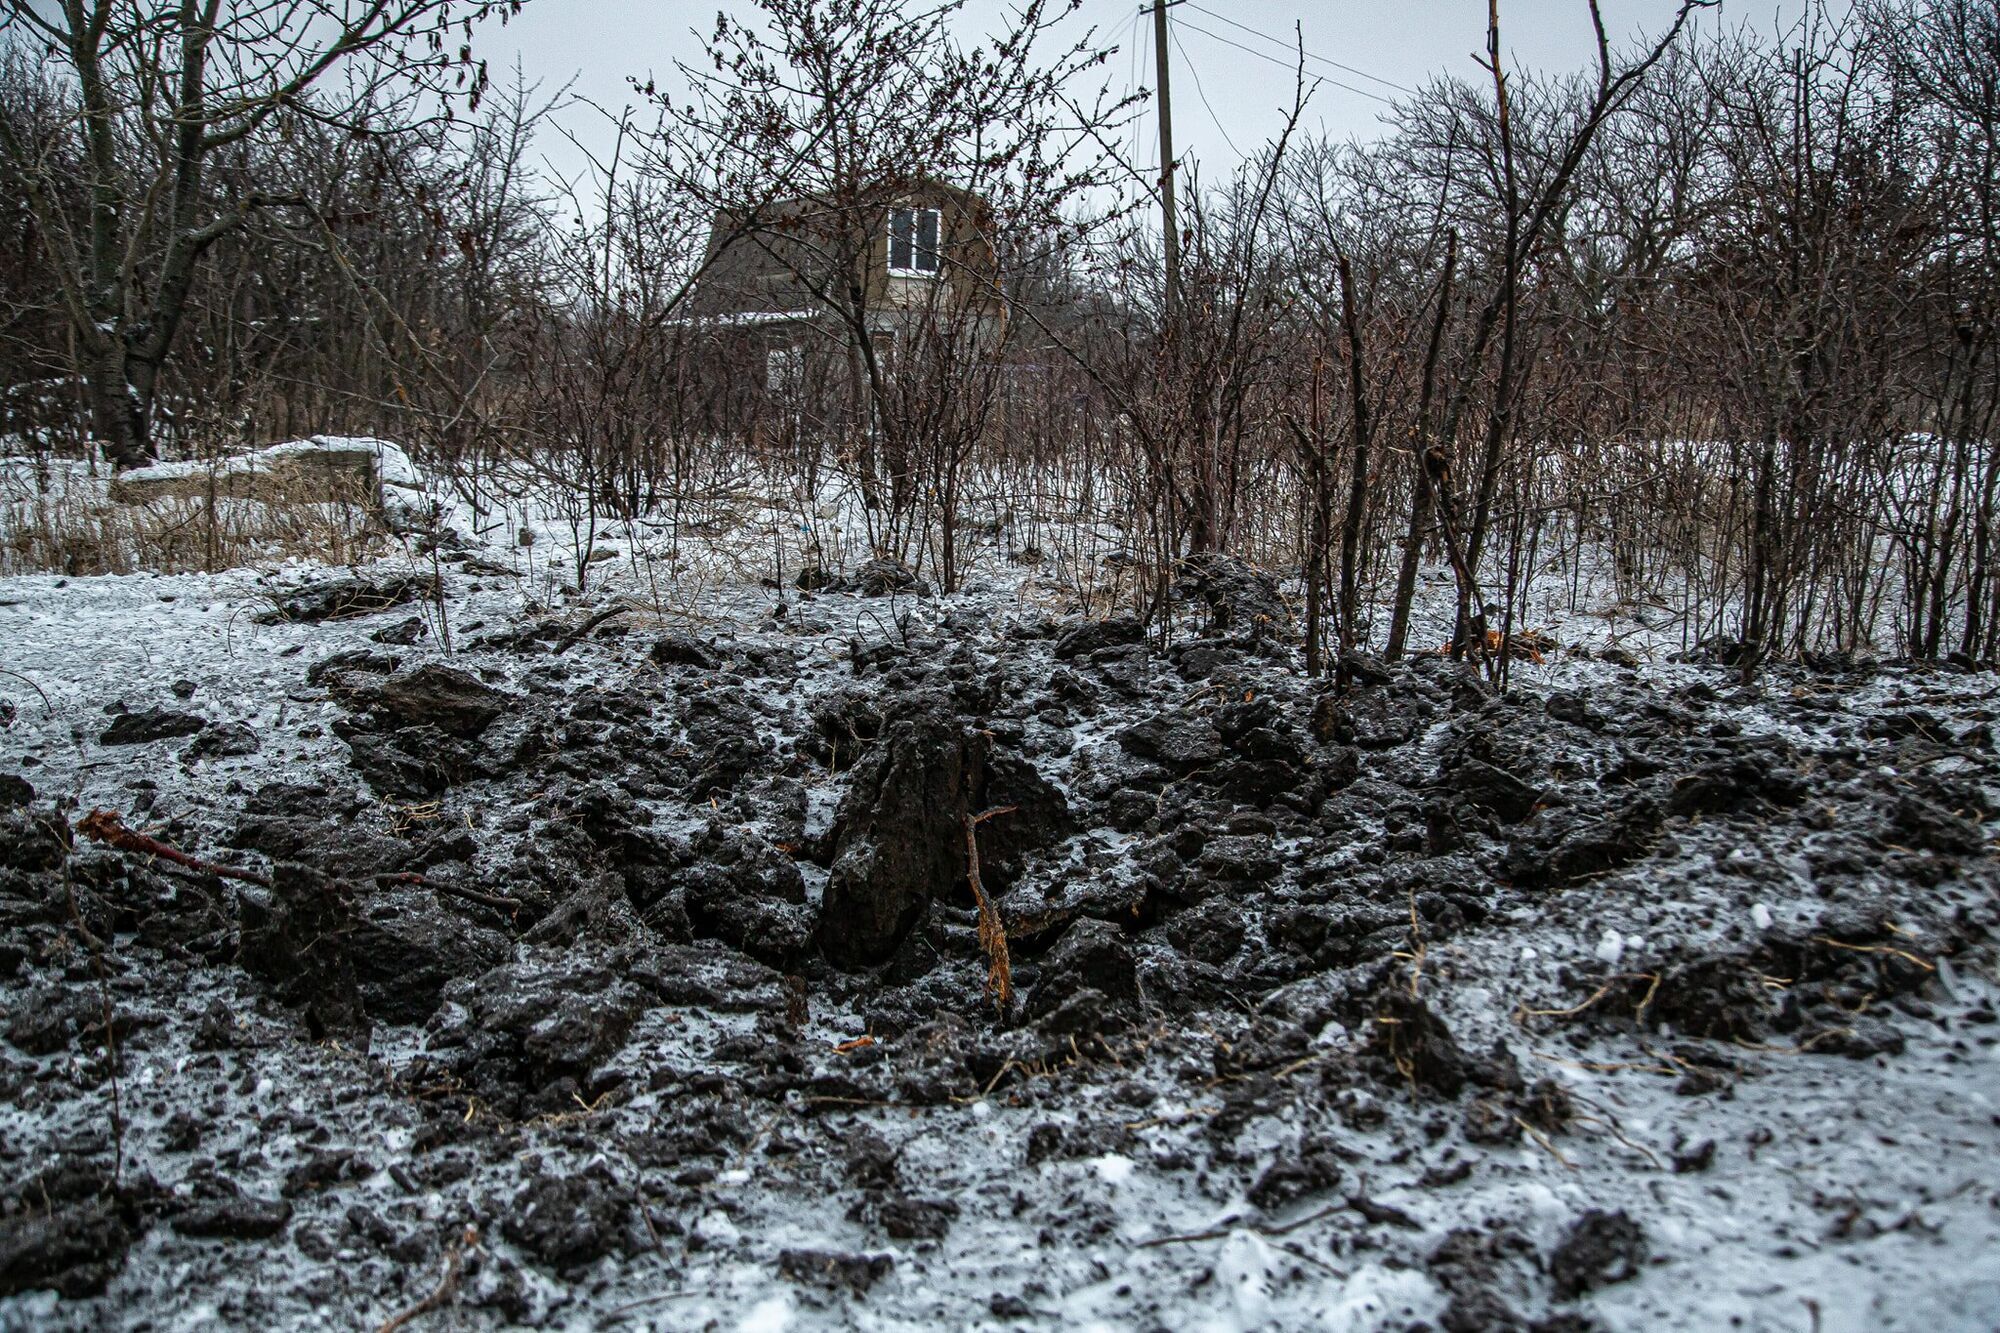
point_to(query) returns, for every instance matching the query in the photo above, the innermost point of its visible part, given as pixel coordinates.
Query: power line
(1132, 81)
(1203, 94)
(1324, 60)
(1282, 64)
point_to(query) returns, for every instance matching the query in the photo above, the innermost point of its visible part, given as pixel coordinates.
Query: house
(794, 279)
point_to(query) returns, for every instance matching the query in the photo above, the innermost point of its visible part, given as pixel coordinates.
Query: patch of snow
(1114, 1169)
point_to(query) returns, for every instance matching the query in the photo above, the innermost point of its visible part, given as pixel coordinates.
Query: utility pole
(1170, 217)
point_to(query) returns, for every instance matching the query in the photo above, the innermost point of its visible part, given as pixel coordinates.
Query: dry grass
(66, 525)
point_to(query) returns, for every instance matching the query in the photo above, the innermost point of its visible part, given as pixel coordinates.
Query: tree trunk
(120, 412)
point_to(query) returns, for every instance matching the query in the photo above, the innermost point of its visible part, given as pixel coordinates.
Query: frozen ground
(1631, 1000)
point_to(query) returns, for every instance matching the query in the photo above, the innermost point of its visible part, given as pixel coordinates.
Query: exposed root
(992, 931)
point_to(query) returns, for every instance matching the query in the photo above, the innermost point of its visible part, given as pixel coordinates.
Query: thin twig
(454, 1259)
(571, 639)
(46, 705)
(1223, 1232)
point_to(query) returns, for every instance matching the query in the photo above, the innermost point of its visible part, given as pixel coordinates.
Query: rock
(1375, 720)
(1202, 659)
(917, 1219)
(1241, 599)
(332, 671)
(1469, 1264)
(1175, 740)
(745, 892)
(1599, 1249)
(1717, 996)
(1918, 723)
(1091, 955)
(1495, 790)
(48, 1019)
(1917, 822)
(1081, 640)
(1561, 847)
(32, 840)
(1857, 1038)
(568, 1221)
(241, 1217)
(722, 731)
(454, 701)
(1239, 858)
(870, 1160)
(1417, 1045)
(1312, 1167)
(316, 471)
(1092, 1138)
(898, 838)
(412, 762)
(1210, 932)
(151, 724)
(403, 633)
(225, 740)
(835, 1270)
(15, 790)
(348, 598)
(295, 935)
(1755, 778)
(683, 650)
(881, 578)
(527, 1036)
(1361, 668)
(293, 822)
(1574, 708)
(844, 723)
(66, 1230)
(407, 947)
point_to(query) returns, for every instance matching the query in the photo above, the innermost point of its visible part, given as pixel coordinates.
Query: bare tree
(162, 100)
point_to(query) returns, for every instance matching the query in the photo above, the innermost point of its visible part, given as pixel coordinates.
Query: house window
(783, 371)
(913, 240)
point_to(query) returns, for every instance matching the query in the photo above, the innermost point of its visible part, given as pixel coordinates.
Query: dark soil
(583, 969)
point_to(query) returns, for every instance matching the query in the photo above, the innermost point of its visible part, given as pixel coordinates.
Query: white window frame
(784, 371)
(915, 215)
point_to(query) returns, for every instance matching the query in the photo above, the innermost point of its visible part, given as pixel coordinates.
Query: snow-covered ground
(1119, 1181)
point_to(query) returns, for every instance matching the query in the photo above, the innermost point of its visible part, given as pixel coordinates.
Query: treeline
(1712, 321)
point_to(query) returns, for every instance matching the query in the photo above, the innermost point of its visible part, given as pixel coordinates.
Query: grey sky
(1232, 76)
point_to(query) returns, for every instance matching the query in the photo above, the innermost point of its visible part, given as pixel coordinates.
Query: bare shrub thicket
(1707, 330)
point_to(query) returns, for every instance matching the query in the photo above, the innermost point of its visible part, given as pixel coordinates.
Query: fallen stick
(1223, 1232)
(494, 900)
(106, 827)
(454, 1258)
(575, 636)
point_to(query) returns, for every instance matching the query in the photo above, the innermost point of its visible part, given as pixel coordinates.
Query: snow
(773, 1314)
(1911, 1144)
(1114, 1169)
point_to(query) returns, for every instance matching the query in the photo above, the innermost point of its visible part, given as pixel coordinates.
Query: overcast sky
(1231, 69)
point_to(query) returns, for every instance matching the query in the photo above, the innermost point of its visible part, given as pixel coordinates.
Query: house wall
(776, 267)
